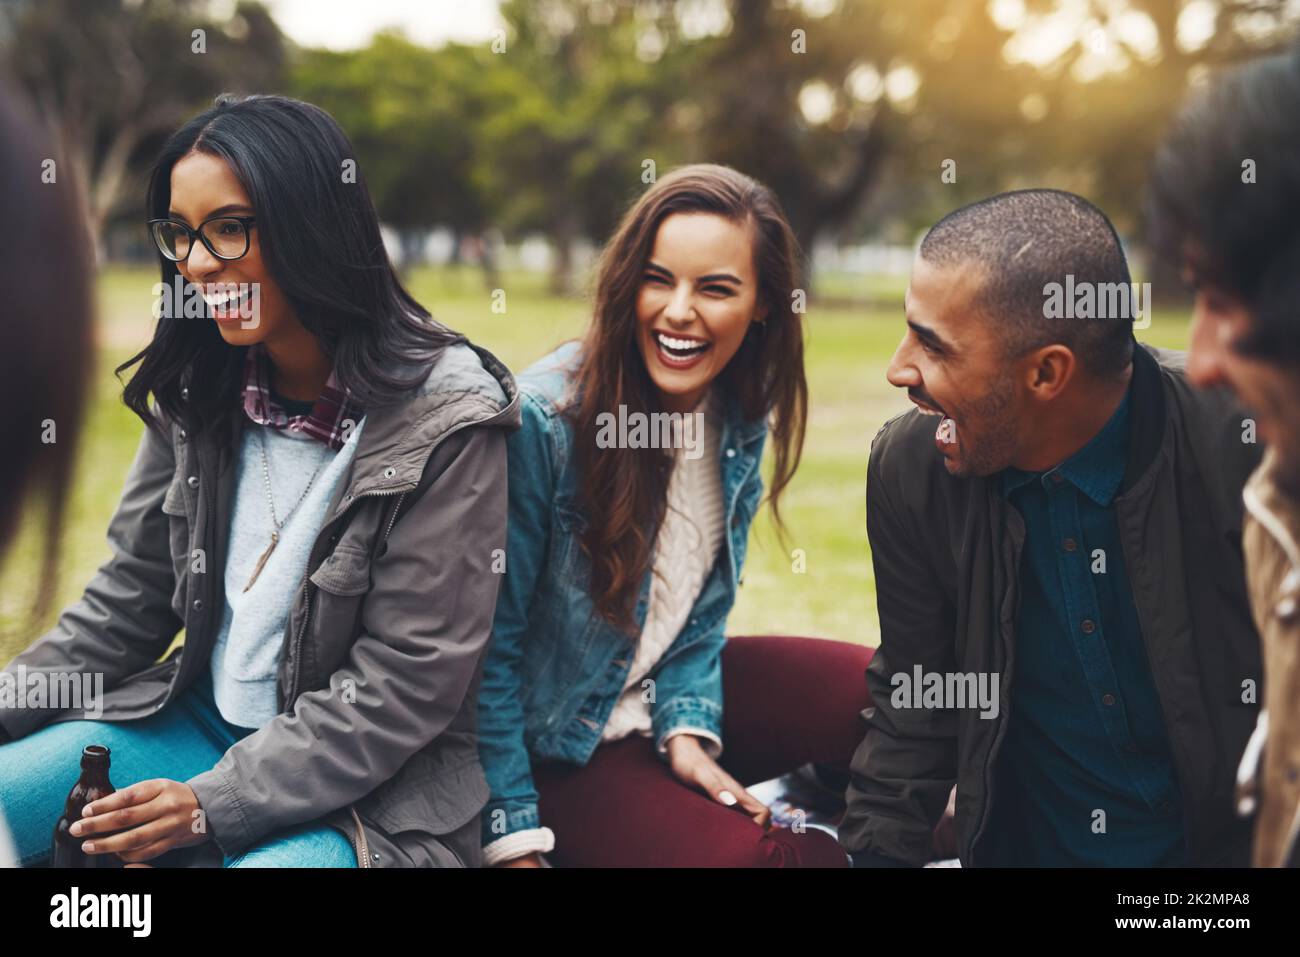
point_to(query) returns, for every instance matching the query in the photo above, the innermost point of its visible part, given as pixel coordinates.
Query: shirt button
(1088, 626)
(185, 392)
(184, 435)
(198, 604)
(731, 453)
(1070, 544)
(193, 481)
(1108, 700)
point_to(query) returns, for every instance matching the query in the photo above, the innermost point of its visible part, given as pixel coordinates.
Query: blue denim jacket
(555, 669)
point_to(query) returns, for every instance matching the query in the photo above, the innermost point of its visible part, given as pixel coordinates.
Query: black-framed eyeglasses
(226, 237)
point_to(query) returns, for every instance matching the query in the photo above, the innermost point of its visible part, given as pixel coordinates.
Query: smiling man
(1062, 514)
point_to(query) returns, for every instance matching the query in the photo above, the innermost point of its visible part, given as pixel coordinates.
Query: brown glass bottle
(91, 786)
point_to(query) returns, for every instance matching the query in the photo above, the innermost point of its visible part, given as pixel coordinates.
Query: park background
(502, 140)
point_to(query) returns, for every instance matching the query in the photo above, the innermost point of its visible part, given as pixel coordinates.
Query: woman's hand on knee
(692, 765)
(143, 821)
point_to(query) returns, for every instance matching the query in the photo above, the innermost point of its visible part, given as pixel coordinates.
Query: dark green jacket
(946, 553)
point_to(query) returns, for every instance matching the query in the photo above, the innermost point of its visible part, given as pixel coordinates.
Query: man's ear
(1049, 370)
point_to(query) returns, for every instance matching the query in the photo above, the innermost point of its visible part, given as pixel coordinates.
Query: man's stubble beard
(992, 448)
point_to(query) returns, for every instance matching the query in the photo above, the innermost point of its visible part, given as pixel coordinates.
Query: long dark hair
(46, 340)
(624, 491)
(320, 238)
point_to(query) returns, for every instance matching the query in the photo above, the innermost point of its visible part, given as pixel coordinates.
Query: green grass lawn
(824, 508)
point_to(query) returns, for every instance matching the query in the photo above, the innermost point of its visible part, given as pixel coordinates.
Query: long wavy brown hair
(623, 491)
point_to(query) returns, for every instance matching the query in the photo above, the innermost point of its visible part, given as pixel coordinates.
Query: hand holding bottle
(146, 819)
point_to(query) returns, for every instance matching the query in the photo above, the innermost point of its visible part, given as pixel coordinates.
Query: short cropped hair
(1026, 240)
(1225, 194)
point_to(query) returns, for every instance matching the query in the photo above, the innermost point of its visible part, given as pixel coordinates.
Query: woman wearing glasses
(319, 500)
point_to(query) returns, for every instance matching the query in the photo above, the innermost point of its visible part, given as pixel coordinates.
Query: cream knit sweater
(686, 547)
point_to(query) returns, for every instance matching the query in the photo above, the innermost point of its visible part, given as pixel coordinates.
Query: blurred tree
(577, 104)
(867, 117)
(858, 113)
(795, 99)
(850, 109)
(1112, 91)
(1102, 103)
(411, 113)
(111, 75)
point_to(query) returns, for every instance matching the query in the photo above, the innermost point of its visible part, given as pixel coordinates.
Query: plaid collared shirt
(331, 420)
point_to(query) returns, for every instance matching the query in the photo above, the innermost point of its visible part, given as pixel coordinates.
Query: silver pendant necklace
(270, 499)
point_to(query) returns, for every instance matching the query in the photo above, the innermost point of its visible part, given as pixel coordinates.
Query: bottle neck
(96, 778)
(94, 769)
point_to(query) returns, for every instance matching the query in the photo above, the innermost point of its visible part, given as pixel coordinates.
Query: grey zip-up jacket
(947, 552)
(381, 655)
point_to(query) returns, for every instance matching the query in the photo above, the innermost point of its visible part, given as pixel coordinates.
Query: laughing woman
(316, 499)
(602, 723)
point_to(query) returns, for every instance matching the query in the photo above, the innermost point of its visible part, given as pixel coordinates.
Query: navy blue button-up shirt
(1085, 775)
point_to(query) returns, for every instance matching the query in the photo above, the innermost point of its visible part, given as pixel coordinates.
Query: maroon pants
(786, 702)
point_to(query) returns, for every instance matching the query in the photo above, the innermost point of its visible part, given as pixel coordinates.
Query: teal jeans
(185, 738)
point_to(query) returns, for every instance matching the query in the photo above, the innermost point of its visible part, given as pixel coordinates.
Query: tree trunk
(562, 237)
(488, 259)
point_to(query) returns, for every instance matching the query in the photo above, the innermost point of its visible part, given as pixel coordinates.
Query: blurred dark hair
(624, 490)
(320, 239)
(1024, 240)
(1243, 237)
(46, 339)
